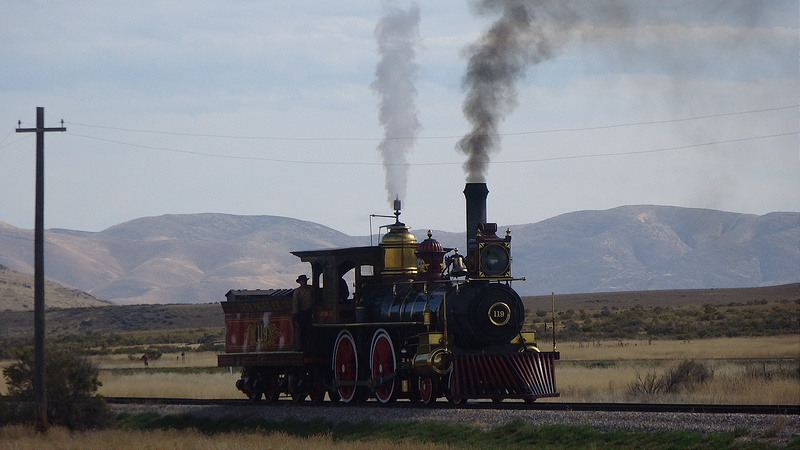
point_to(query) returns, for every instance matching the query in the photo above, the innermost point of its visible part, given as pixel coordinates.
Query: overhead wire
(8, 144)
(7, 136)
(341, 138)
(215, 155)
(638, 152)
(361, 163)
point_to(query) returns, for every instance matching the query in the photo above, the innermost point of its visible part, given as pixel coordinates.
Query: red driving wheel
(383, 363)
(345, 364)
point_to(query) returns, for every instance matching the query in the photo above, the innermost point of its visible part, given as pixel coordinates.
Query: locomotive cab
(330, 268)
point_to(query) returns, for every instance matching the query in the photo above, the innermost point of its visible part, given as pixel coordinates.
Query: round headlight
(494, 260)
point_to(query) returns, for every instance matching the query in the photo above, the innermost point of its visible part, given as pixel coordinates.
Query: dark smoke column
(397, 34)
(495, 64)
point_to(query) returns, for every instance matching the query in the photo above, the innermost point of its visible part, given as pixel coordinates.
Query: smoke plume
(497, 61)
(528, 32)
(398, 35)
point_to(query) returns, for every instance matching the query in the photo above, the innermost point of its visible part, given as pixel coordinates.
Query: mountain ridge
(17, 293)
(196, 258)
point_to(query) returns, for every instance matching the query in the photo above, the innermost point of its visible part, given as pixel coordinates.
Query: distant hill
(18, 325)
(636, 248)
(196, 258)
(112, 319)
(192, 258)
(665, 298)
(16, 293)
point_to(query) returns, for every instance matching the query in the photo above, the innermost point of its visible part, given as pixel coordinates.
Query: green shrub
(686, 376)
(71, 382)
(680, 323)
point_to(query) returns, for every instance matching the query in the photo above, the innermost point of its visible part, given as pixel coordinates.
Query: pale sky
(265, 108)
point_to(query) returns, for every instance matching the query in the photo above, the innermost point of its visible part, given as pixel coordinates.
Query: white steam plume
(398, 36)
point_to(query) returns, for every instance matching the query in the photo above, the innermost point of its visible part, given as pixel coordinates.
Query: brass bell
(458, 269)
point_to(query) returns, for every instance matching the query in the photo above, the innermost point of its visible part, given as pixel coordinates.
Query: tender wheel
(428, 392)
(272, 389)
(345, 364)
(317, 392)
(297, 385)
(254, 396)
(383, 364)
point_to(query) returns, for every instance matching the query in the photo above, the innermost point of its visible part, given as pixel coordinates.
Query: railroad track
(480, 405)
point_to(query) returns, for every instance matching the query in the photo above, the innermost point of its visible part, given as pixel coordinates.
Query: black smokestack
(475, 194)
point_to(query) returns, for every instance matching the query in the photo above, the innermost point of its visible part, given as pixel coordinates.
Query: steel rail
(482, 405)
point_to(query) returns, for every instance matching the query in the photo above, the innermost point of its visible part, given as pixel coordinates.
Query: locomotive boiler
(422, 322)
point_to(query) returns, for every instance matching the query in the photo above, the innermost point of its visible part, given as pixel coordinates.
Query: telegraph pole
(39, 387)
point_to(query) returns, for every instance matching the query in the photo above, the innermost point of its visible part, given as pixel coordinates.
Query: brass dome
(399, 246)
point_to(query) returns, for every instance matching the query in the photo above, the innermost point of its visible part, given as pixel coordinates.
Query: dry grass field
(600, 371)
(167, 360)
(666, 298)
(732, 383)
(169, 384)
(3, 388)
(756, 370)
(736, 347)
(597, 372)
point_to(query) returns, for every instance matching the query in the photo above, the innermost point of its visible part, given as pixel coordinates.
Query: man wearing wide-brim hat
(302, 302)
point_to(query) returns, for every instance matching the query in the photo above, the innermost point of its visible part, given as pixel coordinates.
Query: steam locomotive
(422, 322)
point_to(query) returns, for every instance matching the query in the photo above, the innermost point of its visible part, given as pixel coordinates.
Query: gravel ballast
(778, 428)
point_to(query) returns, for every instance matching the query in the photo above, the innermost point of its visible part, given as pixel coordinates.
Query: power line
(214, 155)
(639, 152)
(7, 136)
(356, 163)
(656, 122)
(520, 133)
(14, 142)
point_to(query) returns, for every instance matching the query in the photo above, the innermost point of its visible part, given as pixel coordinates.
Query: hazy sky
(266, 107)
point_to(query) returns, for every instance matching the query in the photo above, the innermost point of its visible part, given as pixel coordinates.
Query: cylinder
(437, 362)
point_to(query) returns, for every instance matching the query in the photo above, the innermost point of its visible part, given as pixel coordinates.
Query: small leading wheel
(428, 392)
(345, 364)
(454, 396)
(383, 363)
(457, 399)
